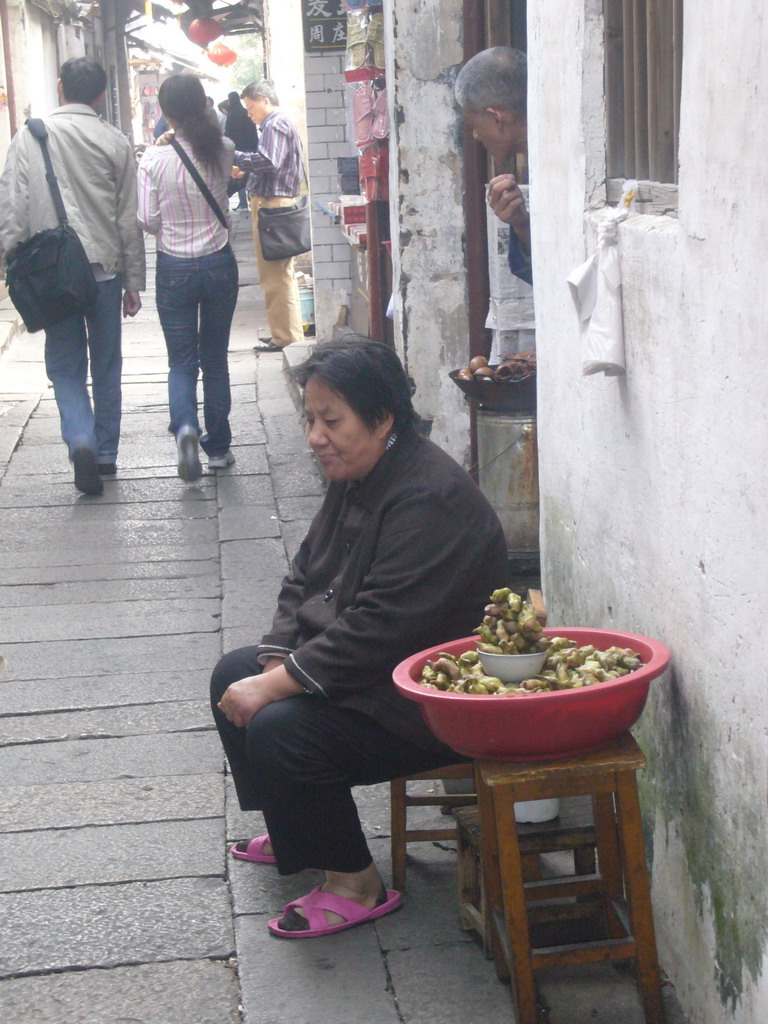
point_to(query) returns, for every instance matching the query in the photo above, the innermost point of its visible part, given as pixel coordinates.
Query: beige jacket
(96, 172)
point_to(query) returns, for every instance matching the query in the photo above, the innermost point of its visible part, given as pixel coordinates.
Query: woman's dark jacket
(403, 561)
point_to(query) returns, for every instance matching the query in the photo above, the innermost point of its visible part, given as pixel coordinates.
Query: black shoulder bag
(49, 277)
(285, 231)
(208, 195)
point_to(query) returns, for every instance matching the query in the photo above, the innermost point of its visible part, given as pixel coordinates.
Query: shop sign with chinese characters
(325, 25)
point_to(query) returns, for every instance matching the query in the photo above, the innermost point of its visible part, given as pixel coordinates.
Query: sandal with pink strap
(253, 851)
(314, 905)
(380, 125)
(363, 113)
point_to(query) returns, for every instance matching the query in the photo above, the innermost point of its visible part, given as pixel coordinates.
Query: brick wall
(327, 139)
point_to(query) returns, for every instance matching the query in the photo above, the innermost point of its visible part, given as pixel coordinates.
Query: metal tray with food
(498, 394)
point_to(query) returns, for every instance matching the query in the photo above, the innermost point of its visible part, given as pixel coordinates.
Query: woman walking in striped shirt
(196, 279)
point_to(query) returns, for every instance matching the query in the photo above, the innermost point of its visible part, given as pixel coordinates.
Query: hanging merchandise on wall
(365, 35)
(368, 129)
(349, 175)
(374, 173)
(380, 125)
(370, 117)
(367, 104)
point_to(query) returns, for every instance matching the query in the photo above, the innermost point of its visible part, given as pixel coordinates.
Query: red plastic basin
(531, 726)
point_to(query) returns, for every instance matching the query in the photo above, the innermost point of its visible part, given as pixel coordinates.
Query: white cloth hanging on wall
(596, 292)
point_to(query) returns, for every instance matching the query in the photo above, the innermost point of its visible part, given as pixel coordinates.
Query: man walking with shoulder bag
(274, 180)
(96, 173)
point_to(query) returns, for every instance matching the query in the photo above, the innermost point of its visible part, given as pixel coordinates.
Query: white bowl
(537, 810)
(512, 668)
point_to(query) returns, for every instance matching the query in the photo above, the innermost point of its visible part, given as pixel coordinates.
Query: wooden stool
(401, 800)
(572, 830)
(619, 890)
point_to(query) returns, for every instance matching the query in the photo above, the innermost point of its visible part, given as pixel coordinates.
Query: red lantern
(204, 30)
(222, 55)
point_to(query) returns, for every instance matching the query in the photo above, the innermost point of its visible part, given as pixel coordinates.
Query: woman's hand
(165, 138)
(246, 697)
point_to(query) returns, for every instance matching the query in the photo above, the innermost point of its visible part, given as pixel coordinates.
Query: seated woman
(401, 557)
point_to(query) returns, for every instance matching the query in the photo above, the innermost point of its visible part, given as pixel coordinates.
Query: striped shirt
(172, 207)
(277, 168)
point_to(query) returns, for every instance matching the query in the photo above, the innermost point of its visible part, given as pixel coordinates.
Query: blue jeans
(196, 300)
(67, 347)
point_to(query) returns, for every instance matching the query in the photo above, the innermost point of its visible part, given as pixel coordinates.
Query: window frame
(643, 72)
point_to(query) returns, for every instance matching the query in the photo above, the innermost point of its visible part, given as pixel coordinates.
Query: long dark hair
(182, 99)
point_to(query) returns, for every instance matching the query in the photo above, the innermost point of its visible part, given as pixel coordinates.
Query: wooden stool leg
(639, 897)
(467, 879)
(608, 860)
(491, 878)
(398, 826)
(515, 910)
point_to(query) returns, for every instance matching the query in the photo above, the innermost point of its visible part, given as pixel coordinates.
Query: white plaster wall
(35, 60)
(38, 47)
(426, 180)
(654, 486)
(285, 49)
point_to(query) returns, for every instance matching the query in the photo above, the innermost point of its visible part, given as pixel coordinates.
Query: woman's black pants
(297, 761)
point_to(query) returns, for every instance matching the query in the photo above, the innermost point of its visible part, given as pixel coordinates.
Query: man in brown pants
(274, 178)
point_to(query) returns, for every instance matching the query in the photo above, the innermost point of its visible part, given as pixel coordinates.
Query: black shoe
(107, 468)
(268, 346)
(87, 477)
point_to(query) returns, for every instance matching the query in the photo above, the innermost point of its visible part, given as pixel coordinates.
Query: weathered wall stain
(429, 275)
(725, 842)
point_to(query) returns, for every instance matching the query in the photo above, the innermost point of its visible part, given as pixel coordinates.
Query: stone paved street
(118, 901)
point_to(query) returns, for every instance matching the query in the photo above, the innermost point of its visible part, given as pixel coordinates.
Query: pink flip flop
(315, 902)
(254, 851)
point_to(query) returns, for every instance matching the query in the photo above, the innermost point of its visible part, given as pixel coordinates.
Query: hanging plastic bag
(596, 292)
